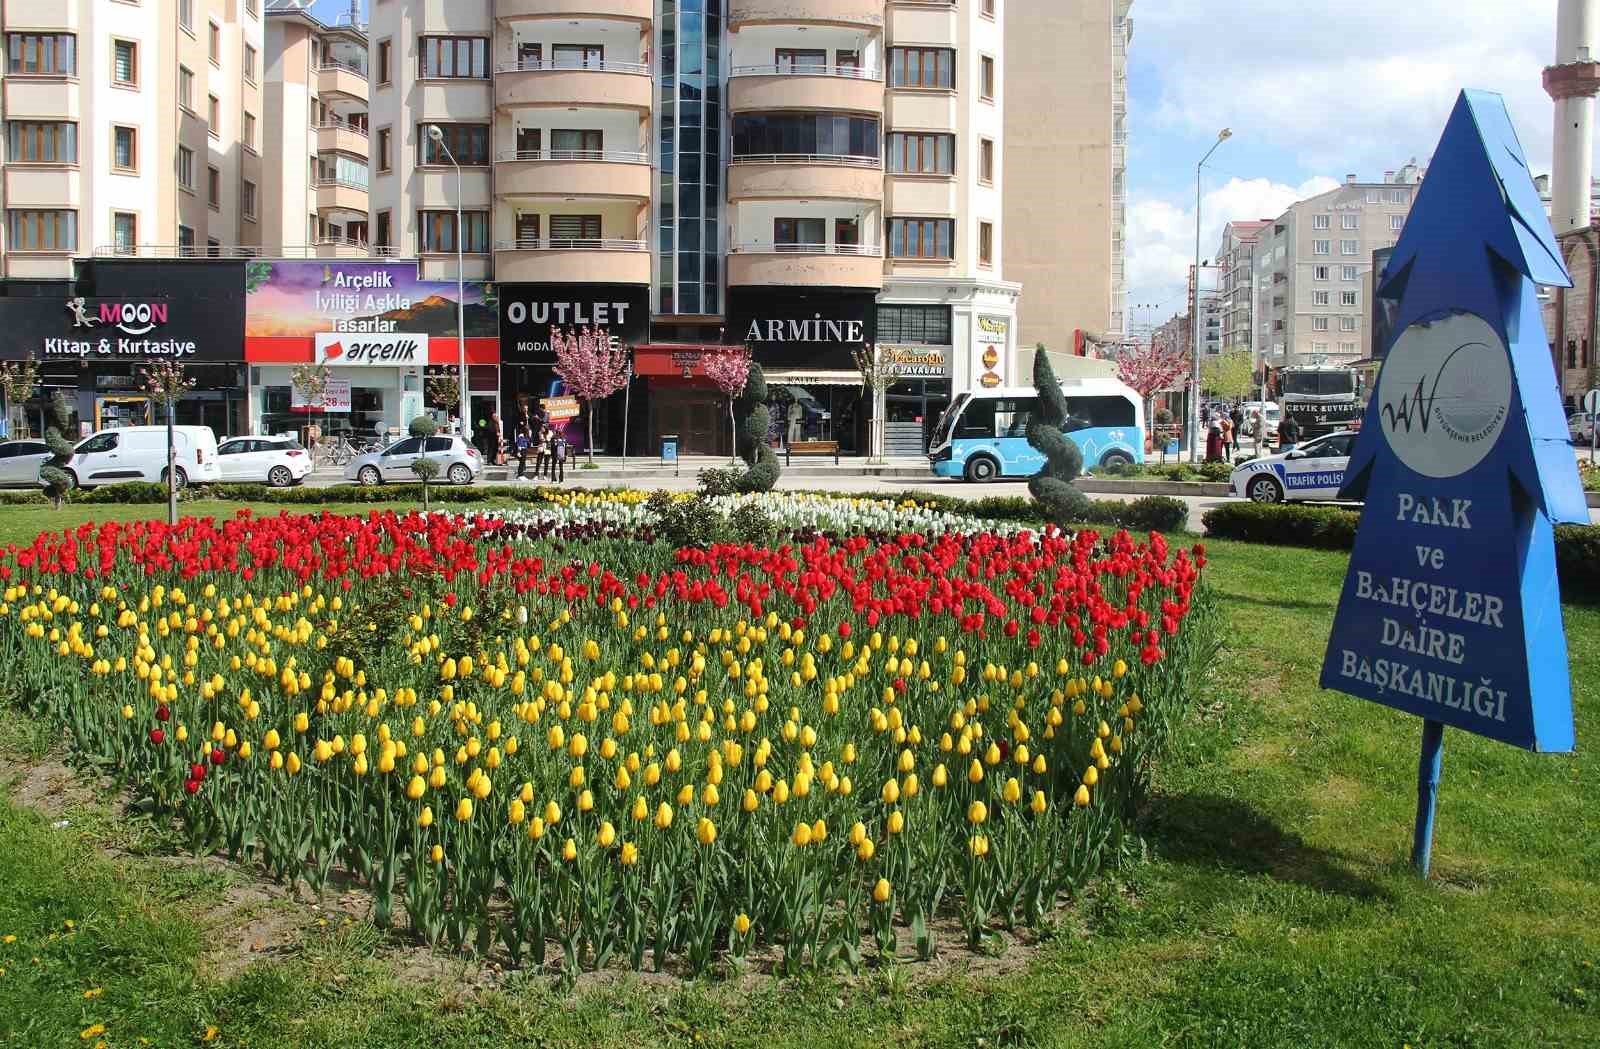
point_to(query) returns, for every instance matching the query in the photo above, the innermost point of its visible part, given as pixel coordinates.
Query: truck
(1322, 398)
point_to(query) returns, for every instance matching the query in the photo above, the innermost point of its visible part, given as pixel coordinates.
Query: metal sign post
(1591, 405)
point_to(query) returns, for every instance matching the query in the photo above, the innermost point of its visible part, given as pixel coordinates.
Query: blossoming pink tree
(1152, 367)
(730, 370)
(590, 367)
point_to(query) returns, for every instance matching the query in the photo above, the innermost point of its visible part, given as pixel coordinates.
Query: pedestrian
(1205, 415)
(541, 458)
(1237, 418)
(523, 440)
(1288, 434)
(498, 436)
(1257, 430)
(1225, 427)
(1214, 442)
(558, 457)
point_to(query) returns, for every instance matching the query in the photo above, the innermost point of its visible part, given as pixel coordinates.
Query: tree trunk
(172, 471)
(733, 427)
(590, 440)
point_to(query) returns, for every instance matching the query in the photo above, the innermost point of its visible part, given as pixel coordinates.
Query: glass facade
(689, 125)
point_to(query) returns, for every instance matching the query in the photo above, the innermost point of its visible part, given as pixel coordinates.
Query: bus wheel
(1115, 460)
(981, 468)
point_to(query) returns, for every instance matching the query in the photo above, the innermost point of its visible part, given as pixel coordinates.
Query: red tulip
(157, 736)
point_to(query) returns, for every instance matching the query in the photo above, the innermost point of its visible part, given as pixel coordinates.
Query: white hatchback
(277, 460)
(1313, 470)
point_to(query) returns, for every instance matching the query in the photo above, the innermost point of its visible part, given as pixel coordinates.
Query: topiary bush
(1325, 527)
(1052, 485)
(423, 426)
(753, 447)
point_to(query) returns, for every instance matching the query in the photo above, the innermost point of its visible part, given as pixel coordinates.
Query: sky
(1312, 92)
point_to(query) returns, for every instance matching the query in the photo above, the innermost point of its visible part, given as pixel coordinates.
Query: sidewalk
(611, 469)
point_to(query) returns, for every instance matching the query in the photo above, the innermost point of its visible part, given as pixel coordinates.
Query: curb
(1130, 487)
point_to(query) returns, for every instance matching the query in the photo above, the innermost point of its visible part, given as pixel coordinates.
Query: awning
(791, 377)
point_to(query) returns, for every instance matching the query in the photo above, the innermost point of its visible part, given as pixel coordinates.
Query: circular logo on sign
(990, 380)
(1444, 394)
(990, 357)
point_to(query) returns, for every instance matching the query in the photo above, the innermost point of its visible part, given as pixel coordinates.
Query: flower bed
(588, 747)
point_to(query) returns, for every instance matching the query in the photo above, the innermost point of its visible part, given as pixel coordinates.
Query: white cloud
(1160, 236)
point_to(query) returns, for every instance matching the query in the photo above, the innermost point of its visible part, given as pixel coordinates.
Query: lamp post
(1194, 319)
(436, 133)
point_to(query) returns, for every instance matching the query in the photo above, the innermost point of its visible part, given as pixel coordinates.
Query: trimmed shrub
(127, 492)
(720, 480)
(753, 446)
(1150, 513)
(1323, 527)
(1052, 485)
(1578, 561)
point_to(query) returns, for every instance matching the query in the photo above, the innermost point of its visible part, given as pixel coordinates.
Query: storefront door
(699, 417)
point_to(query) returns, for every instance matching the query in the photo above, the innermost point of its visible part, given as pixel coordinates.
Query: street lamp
(1194, 320)
(436, 133)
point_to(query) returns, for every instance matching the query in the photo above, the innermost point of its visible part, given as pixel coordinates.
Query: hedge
(1334, 528)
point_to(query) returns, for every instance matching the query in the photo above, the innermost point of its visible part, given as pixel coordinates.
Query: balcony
(632, 10)
(339, 136)
(573, 172)
(609, 85)
(806, 12)
(802, 176)
(333, 193)
(806, 265)
(343, 79)
(853, 89)
(343, 248)
(548, 260)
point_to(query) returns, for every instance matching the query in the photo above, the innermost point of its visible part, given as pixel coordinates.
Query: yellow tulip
(664, 815)
(706, 831)
(882, 890)
(552, 813)
(979, 845)
(940, 775)
(436, 854)
(464, 809)
(536, 828)
(425, 817)
(606, 835)
(977, 812)
(1012, 791)
(569, 850)
(896, 822)
(975, 771)
(741, 923)
(865, 849)
(270, 740)
(630, 854)
(1038, 805)
(515, 812)
(891, 792)
(415, 788)
(1091, 776)
(801, 835)
(1081, 798)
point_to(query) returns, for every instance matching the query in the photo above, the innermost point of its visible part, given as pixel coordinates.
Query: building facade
(1313, 272)
(130, 129)
(1235, 260)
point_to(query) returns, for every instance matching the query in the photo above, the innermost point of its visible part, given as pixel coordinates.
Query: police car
(1313, 470)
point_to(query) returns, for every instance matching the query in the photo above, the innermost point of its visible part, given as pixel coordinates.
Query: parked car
(277, 460)
(20, 462)
(1314, 470)
(1580, 427)
(139, 453)
(459, 462)
(1271, 416)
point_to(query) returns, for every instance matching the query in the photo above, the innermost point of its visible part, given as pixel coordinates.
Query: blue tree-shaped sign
(1451, 609)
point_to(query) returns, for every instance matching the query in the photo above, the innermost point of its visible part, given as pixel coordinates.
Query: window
(1349, 221)
(925, 67)
(792, 234)
(341, 168)
(1348, 348)
(805, 133)
(922, 238)
(574, 227)
(214, 43)
(42, 230)
(453, 57)
(1347, 323)
(41, 142)
(186, 14)
(384, 53)
(922, 325)
(436, 231)
(1347, 298)
(384, 161)
(1319, 298)
(247, 199)
(1348, 247)
(986, 78)
(385, 230)
(986, 244)
(921, 154)
(124, 230)
(986, 160)
(248, 135)
(1319, 324)
(1320, 247)
(213, 187)
(124, 148)
(1319, 347)
(801, 60)
(249, 64)
(988, 8)
(1373, 197)
(1397, 223)
(42, 54)
(1348, 273)
(1319, 273)
(125, 63)
(1399, 196)
(185, 240)
(1319, 222)
(186, 167)
(250, 7)
(186, 88)
(468, 143)
(580, 56)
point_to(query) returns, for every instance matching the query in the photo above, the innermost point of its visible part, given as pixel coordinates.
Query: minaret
(1572, 83)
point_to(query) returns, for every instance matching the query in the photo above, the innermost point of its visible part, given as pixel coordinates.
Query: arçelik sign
(386, 350)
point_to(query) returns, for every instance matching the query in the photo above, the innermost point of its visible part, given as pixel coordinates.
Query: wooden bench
(795, 448)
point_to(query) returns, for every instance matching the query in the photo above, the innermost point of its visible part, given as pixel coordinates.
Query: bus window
(1104, 411)
(1012, 415)
(978, 419)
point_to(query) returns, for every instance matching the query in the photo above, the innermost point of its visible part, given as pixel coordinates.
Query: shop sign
(989, 351)
(106, 329)
(528, 312)
(789, 328)
(557, 409)
(335, 398)
(389, 350)
(917, 362)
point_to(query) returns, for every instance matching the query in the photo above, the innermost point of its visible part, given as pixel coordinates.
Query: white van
(139, 453)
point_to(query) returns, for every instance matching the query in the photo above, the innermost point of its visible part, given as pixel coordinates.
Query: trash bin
(669, 451)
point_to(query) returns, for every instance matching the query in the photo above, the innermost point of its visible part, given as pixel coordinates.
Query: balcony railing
(344, 182)
(533, 66)
(238, 251)
(335, 124)
(753, 248)
(606, 156)
(850, 72)
(331, 64)
(821, 159)
(569, 243)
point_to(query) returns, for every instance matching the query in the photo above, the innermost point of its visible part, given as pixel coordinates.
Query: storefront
(382, 340)
(91, 338)
(528, 313)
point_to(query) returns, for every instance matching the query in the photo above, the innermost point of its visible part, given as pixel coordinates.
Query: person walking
(1288, 434)
(1214, 441)
(1225, 425)
(498, 436)
(523, 440)
(1237, 418)
(1257, 430)
(541, 457)
(558, 457)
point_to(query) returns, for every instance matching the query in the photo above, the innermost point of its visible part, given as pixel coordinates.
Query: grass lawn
(1275, 905)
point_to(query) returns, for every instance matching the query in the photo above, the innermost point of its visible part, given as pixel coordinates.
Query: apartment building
(1313, 272)
(315, 112)
(1235, 262)
(1066, 134)
(131, 128)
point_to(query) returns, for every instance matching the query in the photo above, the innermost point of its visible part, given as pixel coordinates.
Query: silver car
(20, 462)
(459, 462)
